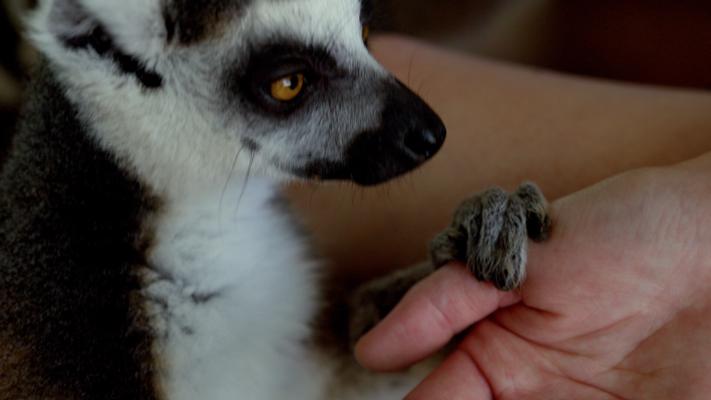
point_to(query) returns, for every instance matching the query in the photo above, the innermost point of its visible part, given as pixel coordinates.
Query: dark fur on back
(71, 244)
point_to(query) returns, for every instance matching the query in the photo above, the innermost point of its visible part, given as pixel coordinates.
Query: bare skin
(506, 125)
(616, 305)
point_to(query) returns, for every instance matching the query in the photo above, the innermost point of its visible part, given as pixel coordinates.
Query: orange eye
(366, 33)
(288, 87)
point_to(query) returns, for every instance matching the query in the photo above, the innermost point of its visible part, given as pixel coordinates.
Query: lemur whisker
(227, 181)
(422, 85)
(246, 179)
(409, 68)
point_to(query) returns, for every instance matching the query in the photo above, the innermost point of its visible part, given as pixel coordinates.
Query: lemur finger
(538, 222)
(450, 245)
(509, 255)
(483, 227)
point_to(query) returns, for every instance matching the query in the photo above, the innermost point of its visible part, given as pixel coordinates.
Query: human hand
(617, 304)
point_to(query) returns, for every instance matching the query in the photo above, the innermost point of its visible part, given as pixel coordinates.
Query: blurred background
(661, 42)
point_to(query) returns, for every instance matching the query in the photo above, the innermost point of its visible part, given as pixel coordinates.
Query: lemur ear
(134, 26)
(67, 20)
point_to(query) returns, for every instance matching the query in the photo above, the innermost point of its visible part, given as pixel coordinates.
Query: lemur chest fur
(231, 293)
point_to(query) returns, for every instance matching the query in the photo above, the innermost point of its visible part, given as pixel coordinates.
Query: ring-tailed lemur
(143, 251)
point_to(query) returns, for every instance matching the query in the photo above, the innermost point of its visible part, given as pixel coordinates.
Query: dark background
(663, 42)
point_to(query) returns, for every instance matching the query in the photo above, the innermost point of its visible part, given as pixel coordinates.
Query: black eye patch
(272, 61)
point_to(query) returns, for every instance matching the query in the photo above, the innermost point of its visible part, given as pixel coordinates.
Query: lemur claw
(490, 233)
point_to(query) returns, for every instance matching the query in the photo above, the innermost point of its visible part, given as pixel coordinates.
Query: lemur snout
(410, 134)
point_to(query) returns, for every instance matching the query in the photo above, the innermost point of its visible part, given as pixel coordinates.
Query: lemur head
(185, 90)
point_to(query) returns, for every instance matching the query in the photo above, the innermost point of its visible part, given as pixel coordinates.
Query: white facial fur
(180, 138)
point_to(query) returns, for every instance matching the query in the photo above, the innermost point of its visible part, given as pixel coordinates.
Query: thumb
(428, 317)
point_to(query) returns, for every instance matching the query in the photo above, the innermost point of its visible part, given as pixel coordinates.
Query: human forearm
(508, 123)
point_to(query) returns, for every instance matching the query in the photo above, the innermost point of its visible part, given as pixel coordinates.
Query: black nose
(424, 143)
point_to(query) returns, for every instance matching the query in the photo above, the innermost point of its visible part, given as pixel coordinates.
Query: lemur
(144, 249)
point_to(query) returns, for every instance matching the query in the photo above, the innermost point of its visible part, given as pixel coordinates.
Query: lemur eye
(366, 33)
(287, 88)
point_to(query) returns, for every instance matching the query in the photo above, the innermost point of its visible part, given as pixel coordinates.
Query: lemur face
(283, 87)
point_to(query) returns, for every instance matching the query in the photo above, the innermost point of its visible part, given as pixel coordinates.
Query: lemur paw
(490, 233)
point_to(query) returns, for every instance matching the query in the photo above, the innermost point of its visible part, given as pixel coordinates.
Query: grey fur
(489, 233)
